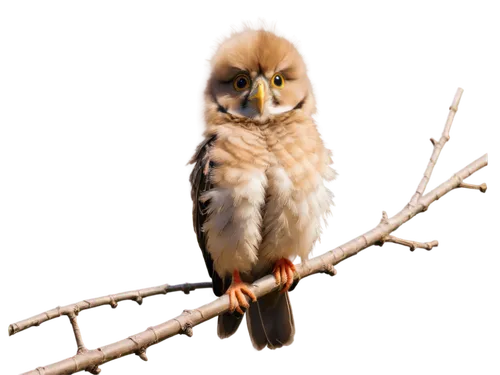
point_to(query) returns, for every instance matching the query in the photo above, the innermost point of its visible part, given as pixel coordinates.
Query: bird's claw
(236, 293)
(283, 272)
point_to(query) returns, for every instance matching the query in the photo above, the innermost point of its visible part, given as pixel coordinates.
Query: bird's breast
(280, 171)
(280, 162)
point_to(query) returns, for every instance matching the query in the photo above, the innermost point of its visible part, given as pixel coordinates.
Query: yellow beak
(258, 96)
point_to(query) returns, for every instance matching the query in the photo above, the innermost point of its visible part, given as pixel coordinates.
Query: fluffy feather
(266, 166)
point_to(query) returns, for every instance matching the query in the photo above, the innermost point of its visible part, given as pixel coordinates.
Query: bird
(258, 184)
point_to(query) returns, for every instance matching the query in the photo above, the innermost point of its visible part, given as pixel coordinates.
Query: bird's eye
(241, 82)
(278, 80)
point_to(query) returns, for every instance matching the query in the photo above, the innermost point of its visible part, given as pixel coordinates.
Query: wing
(200, 183)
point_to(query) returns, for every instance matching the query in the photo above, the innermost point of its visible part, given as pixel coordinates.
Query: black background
(103, 119)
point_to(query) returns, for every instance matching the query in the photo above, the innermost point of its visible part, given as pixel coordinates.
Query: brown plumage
(258, 190)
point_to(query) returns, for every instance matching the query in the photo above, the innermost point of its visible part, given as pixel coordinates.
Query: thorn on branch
(142, 354)
(425, 210)
(411, 244)
(433, 141)
(113, 303)
(385, 218)
(186, 326)
(188, 331)
(138, 298)
(329, 270)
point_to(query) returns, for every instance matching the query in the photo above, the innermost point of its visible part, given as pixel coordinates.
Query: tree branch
(184, 323)
(411, 244)
(482, 188)
(112, 300)
(438, 146)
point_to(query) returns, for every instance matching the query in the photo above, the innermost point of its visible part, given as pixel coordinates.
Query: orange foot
(236, 293)
(283, 272)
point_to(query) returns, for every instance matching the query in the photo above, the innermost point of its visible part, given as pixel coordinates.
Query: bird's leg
(283, 272)
(236, 293)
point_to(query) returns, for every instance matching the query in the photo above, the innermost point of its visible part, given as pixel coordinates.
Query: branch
(112, 300)
(438, 146)
(411, 244)
(184, 323)
(482, 188)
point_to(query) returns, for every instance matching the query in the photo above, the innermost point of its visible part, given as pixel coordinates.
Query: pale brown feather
(267, 199)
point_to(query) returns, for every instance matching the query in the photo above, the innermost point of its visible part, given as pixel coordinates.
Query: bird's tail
(270, 321)
(228, 323)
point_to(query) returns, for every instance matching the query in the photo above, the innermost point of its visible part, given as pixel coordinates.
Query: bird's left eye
(278, 80)
(241, 82)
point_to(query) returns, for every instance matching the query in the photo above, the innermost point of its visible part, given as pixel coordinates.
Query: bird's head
(257, 74)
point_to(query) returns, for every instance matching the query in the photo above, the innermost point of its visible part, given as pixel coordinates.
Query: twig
(184, 323)
(438, 146)
(112, 300)
(411, 244)
(78, 335)
(482, 188)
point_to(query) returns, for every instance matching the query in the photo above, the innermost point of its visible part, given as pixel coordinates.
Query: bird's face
(258, 94)
(256, 74)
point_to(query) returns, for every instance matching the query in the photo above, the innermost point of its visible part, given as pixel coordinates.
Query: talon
(241, 299)
(248, 292)
(232, 302)
(283, 272)
(277, 275)
(289, 280)
(284, 275)
(236, 293)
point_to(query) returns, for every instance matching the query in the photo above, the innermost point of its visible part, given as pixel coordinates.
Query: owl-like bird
(258, 189)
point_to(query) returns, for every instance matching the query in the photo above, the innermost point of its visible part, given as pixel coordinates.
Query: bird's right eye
(241, 82)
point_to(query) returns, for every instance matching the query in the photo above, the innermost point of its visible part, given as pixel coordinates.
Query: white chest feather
(269, 200)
